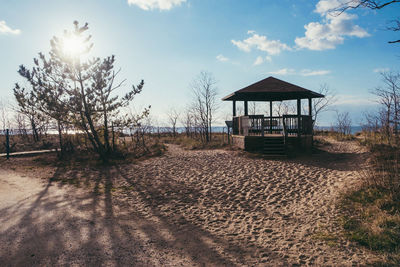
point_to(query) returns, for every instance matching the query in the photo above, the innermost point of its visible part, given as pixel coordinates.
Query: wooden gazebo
(272, 134)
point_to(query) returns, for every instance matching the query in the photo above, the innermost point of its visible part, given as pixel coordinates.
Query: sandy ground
(186, 208)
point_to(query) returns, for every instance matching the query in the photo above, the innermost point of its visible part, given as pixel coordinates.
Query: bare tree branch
(370, 4)
(173, 116)
(321, 105)
(205, 102)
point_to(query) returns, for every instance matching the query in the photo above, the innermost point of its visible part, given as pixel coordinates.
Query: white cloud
(303, 72)
(242, 45)
(222, 58)
(379, 70)
(260, 42)
(306, 72)
(4, 29)
(259, 60)
(156, 4)
(284, 71)
(332, 30)
(325, 6)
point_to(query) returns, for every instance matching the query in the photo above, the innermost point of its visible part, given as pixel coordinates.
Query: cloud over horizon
(156, 4)
(4, 29)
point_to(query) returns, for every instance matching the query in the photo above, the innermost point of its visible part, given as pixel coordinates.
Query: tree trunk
(60, 140)
(100, 147)
(113, 136)
(106, 136)
(34, 130)
(210, 130)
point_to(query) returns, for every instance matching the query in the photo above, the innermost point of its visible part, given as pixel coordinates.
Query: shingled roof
(271, 89)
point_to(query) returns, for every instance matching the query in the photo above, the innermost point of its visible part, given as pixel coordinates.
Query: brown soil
(186, 208)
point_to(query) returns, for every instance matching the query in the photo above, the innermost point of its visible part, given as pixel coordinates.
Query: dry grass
(372, 213)
(25, 143)
(336, 135)
(79, 149)
(219, 140)
(130, 149)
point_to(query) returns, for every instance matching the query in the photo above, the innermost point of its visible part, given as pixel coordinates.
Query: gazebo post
(270, 117)
(310, 114)
(298, 117)
(234, 108)
(246, 108)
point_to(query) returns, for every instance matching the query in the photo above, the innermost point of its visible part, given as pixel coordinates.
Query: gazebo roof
(271, 89)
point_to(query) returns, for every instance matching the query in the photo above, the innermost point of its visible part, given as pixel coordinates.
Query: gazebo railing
(287, 125)
(292, 125)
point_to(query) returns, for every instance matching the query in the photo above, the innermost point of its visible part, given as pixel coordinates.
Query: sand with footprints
(186, 208)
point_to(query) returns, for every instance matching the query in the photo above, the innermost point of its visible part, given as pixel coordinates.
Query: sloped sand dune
(190, 208)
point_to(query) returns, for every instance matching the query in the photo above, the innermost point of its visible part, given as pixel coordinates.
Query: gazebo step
(274, 140)
(274, 153)
(278, 142)
(274, 150)
(274, 145)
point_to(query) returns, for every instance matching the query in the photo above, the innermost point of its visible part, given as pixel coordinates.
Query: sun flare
(73, 46)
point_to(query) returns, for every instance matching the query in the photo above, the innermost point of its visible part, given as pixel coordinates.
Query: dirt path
(187, 208)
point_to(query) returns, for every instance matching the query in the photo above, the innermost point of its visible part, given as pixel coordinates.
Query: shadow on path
(108, 225)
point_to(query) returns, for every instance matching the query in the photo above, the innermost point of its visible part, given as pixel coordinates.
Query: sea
(353, 129)
(215, 129)
(223, 129)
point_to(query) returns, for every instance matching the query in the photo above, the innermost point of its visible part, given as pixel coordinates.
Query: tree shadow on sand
(98, 222)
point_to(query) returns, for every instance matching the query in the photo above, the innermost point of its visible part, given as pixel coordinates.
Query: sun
(73, 46)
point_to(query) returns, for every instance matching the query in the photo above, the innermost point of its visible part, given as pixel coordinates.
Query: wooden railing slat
(286, 124)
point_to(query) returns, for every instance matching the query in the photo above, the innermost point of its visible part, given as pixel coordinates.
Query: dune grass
(335, 135)
(219, 140)
(372, 220)
(372, 213)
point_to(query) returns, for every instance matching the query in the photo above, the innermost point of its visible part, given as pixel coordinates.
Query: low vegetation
(218, 140)
(372, 213)
(23, 143)
(138, 145)
(334, 134)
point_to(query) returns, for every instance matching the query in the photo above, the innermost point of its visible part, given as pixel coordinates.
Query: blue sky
(168, 42)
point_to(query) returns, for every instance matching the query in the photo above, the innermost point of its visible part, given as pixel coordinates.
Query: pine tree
(78, 90)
